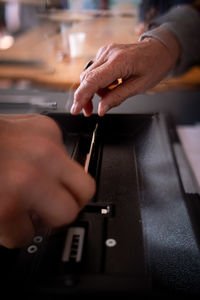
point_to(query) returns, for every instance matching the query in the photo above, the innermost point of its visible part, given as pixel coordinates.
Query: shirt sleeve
(184, 22)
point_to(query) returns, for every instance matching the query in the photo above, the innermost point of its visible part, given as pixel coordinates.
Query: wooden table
(45, 45)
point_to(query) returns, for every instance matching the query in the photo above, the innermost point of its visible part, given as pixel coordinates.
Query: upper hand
(141, 66)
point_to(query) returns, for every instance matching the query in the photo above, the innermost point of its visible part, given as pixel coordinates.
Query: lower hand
(37, 177)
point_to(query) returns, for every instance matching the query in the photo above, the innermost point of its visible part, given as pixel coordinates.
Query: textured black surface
(173, 251)
(155, 229)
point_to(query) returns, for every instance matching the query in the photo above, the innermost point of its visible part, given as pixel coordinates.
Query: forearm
(168, 39)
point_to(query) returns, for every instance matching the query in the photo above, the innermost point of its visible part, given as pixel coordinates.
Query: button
(32, 249)
(111, 243)
(38, 239)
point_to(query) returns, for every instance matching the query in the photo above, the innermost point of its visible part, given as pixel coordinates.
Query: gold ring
(115, 84)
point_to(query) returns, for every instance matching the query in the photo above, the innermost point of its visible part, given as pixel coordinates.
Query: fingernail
(84, 112)
(74, 108)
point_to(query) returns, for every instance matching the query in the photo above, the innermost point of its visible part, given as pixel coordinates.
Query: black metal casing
(147, 243)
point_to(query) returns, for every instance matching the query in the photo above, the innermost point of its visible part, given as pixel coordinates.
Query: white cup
(76, 44)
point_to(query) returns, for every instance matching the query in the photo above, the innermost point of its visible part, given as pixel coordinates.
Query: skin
(39, 181)
(140, 65)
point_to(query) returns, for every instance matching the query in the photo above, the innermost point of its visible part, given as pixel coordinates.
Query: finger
(97, 79)
(72, 175)
(129, 88)
(58, 207)
(51, 165)
(99, 59)
(88, 108)
(17, 231)
(79, 183)
(65, 170)
(91, 65)
(106, 51)
(101, 52)
(57, 200)
(46, 194)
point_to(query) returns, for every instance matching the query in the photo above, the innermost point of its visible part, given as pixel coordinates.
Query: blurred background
(45, 44)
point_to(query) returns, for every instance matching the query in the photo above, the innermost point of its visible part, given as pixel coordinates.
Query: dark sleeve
(184, 22)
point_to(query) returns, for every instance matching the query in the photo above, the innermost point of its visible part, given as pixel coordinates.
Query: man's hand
(141, 66)
(37, 178)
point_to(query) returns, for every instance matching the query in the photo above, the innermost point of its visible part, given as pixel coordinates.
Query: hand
(37, 177)
(141, 66)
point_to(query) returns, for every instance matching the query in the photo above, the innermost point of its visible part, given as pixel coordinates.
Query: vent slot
(73, 247)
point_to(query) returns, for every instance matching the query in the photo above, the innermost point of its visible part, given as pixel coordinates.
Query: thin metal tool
(22, 62)
(34, 102)
(89, 63)
(89, 155)
(26, 101)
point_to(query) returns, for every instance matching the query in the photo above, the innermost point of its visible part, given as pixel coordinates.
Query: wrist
(167, 39)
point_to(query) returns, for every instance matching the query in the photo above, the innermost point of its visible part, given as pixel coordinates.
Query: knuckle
(53, 126)
(111, 46)
(45, 149)
(91, 77)
(19, 176)
(68, 214)
(101, 50)
(25, 177)
(104, 50)
(119, 55)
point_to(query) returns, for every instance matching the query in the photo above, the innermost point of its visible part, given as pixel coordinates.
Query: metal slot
(73, 245)
(103, 209)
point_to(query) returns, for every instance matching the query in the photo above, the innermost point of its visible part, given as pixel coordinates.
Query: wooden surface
(45, 45)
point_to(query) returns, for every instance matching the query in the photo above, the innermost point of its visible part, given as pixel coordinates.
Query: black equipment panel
(136, 235)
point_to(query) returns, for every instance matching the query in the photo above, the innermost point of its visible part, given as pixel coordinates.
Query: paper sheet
(190, 139)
